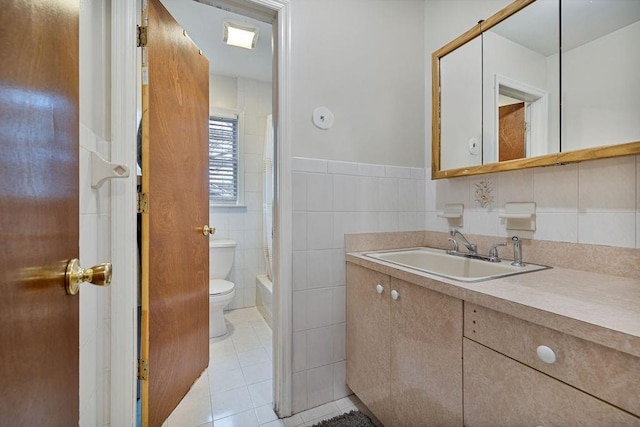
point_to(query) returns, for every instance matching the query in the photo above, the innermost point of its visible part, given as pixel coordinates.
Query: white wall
(244, 224)
(95, 243)
(363, 59)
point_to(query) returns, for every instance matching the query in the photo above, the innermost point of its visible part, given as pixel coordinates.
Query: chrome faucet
(471, 247)
(517, 252)
(493, 253)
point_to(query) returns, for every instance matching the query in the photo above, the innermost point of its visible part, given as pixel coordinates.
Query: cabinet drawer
(609, 374)
(499, 391)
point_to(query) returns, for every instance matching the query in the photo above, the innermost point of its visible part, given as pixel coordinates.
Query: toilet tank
(221, 254)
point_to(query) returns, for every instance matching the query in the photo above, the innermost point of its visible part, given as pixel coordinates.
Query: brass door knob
(99, 275)
(206, 230)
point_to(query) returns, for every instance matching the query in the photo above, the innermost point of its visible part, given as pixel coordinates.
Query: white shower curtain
(268, 197)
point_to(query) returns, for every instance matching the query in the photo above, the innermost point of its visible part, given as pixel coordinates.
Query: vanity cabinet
(519, 373)
(404, 350)
(369, 340)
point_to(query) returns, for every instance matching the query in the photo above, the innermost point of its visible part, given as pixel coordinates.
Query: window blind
(223, 159)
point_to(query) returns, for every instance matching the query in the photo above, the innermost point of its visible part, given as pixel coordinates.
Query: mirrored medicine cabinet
(541, 82)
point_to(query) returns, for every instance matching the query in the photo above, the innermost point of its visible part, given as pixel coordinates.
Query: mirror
(600, 66)
(461, 105)
(521, 69)
(521, 87)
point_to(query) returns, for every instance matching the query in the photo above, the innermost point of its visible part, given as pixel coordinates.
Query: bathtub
(264, 297)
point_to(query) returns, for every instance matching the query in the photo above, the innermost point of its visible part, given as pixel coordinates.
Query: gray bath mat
(350, 419)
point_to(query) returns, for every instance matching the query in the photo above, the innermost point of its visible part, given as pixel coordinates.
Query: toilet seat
(220, 287)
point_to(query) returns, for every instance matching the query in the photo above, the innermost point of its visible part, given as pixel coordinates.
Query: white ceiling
(204, 24)
(536, 27)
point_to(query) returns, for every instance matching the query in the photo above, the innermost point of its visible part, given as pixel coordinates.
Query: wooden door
(175, 253)
(368, 341)
(511, 140)
(426, 357)
(39, 345)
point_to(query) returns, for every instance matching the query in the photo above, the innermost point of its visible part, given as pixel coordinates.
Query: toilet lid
(219, 287)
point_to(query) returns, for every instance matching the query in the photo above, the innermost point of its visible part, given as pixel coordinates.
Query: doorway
(521, 119)
(123, 308)
(238, 383)
(242, 93)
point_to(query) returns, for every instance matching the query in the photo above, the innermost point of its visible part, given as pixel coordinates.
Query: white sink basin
(438, 262)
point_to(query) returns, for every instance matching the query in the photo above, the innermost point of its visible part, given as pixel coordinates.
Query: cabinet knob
(394, 294)
(546, 354)
(379, 288)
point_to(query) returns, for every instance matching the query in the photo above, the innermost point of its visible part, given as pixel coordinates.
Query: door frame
(124, 16)
(536, 114)
(124, 254)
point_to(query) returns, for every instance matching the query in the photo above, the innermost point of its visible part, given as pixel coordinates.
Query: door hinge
(142, 35)
(143, 202)
(143, 369)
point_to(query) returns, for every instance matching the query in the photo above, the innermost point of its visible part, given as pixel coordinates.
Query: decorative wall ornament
(484, 190)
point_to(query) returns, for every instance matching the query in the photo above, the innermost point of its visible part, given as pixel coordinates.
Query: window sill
(224, 205)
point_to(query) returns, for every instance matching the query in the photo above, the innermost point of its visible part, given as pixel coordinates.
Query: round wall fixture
(323, 118)
(474, 146)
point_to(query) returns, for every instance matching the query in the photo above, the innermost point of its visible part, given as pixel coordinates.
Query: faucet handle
(455, 245)
(493, 252)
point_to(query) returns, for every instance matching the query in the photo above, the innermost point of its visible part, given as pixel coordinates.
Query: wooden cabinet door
(39, 218)
(368, 341)
(499, 391)
(175, 253)
(426, 357)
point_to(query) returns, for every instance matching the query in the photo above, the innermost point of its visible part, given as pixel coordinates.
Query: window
(224, 160)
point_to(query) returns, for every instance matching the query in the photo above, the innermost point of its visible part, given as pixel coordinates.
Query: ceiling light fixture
(240, 34)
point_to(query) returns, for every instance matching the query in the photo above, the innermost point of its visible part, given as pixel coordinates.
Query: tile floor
(236, 388)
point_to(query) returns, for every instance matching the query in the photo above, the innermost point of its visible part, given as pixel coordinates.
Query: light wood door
(426, 357)
(368, 341)
(511, 140)
(39, 346)
(175, 253)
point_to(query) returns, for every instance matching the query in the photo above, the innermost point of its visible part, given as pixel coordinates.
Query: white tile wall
(611, 229)
(564, 181)
(244, 225)
(331, 198)
(594, 202)
(607, 186)
(513, 186)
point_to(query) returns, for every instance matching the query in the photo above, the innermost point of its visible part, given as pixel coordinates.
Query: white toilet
(221, 291)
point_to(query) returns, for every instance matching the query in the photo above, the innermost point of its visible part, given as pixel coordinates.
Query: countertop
(600, 308)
